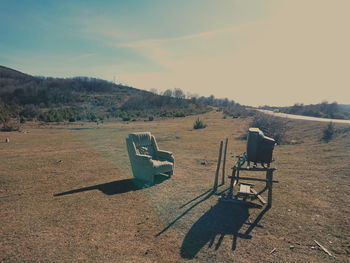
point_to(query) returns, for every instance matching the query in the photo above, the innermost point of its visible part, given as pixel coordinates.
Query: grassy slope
(106, 92)
(57, 99)
(117, 222)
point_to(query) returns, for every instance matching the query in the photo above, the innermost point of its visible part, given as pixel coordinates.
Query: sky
(272, 52)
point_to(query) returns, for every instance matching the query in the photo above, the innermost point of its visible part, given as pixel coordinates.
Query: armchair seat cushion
(162, 166)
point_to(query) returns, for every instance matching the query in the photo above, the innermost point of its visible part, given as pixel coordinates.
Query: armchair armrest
(165, 155)
(143, 156)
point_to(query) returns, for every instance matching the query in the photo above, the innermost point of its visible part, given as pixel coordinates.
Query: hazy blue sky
(256, 52)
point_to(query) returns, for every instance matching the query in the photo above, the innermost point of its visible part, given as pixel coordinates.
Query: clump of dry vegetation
(274, 127)
(236, 110)
(199, 124)
(328, 132)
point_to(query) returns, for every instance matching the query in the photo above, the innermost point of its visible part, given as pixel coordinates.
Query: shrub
(237, 110)
(91, 117)
(126, 118)
(179, 114)
(150, 118)
(29, 111)
(51, 116)
(199, 124)
(328, 132)
(9, 128)
(274, 127)
(4, 116)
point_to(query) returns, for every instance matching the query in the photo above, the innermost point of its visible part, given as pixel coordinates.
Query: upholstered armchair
(146, 159)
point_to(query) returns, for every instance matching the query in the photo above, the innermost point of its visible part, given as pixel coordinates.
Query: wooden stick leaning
(224, 163)
(216, 179)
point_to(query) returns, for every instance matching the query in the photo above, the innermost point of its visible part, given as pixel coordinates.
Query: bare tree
(178, 93)
(153, 90)
(168, 93)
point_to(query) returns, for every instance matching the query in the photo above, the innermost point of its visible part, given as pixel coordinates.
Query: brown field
(67, 195)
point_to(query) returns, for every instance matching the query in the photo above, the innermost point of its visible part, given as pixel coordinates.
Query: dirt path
(300, 117)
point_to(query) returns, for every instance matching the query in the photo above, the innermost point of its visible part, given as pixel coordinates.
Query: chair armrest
(165, 155)
(144, 156)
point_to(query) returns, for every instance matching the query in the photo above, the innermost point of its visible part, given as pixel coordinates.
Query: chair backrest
(143, 143)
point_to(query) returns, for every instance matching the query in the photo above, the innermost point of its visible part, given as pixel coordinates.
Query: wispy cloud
(294, 60)
(82, 57)
(147, 42)
(98, 26)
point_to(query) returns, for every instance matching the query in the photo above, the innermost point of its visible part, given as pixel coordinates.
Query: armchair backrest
(144, 143)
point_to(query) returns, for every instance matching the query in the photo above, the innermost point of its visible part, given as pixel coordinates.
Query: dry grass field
(67, 195)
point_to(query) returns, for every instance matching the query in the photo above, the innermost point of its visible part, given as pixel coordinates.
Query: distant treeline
(322, 110)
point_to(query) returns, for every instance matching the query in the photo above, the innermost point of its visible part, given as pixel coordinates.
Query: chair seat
(162, 166)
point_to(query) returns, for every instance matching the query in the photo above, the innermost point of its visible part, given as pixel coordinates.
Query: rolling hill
(84, 98)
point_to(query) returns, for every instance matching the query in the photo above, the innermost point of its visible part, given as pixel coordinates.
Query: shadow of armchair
(146, 159)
